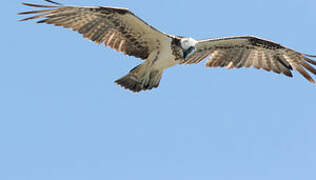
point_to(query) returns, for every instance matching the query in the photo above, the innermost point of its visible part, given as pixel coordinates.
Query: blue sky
(62, 117)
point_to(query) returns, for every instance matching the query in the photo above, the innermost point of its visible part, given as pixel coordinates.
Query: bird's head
(188, 46)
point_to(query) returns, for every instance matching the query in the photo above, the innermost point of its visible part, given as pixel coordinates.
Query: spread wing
(115, 27)
(248, 51)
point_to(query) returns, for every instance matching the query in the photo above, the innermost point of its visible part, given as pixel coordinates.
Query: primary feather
(123, 31)
(248, 51)
(117, 28)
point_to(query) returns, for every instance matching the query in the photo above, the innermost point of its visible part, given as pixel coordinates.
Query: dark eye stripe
(187, 52)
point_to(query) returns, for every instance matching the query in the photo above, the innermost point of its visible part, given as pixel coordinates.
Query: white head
(188, 46)
(186, 43)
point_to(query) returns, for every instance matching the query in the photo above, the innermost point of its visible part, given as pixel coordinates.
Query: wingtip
(37, 5)
(310, 61)
(308, 55)
(25, 19)
(311, 80)
(53, 2)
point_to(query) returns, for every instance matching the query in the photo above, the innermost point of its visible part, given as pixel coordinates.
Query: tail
(140, 78)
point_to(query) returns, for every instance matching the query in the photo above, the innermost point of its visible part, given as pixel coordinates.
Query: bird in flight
(122, 30)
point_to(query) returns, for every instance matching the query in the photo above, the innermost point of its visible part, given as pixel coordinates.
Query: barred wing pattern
(248, 51)
(118, 28)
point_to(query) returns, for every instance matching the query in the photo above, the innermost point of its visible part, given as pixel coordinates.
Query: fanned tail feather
(140, 78)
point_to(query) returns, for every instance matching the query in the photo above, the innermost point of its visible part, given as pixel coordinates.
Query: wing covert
(248, 51)
(117, 28)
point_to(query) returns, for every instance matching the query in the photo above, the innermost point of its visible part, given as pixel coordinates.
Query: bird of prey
(122, 30)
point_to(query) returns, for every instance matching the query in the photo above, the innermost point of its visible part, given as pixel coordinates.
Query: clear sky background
(62, 117)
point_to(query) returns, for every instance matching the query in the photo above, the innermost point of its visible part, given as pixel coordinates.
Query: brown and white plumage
(122, 30)
(118, 28)
(248, 51)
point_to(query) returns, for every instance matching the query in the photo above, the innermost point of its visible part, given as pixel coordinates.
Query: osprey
(123, 31)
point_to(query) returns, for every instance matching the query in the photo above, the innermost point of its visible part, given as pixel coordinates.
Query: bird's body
(120, 29)
(163, 57)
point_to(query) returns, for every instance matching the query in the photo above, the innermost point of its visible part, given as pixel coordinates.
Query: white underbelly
(165, 58)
